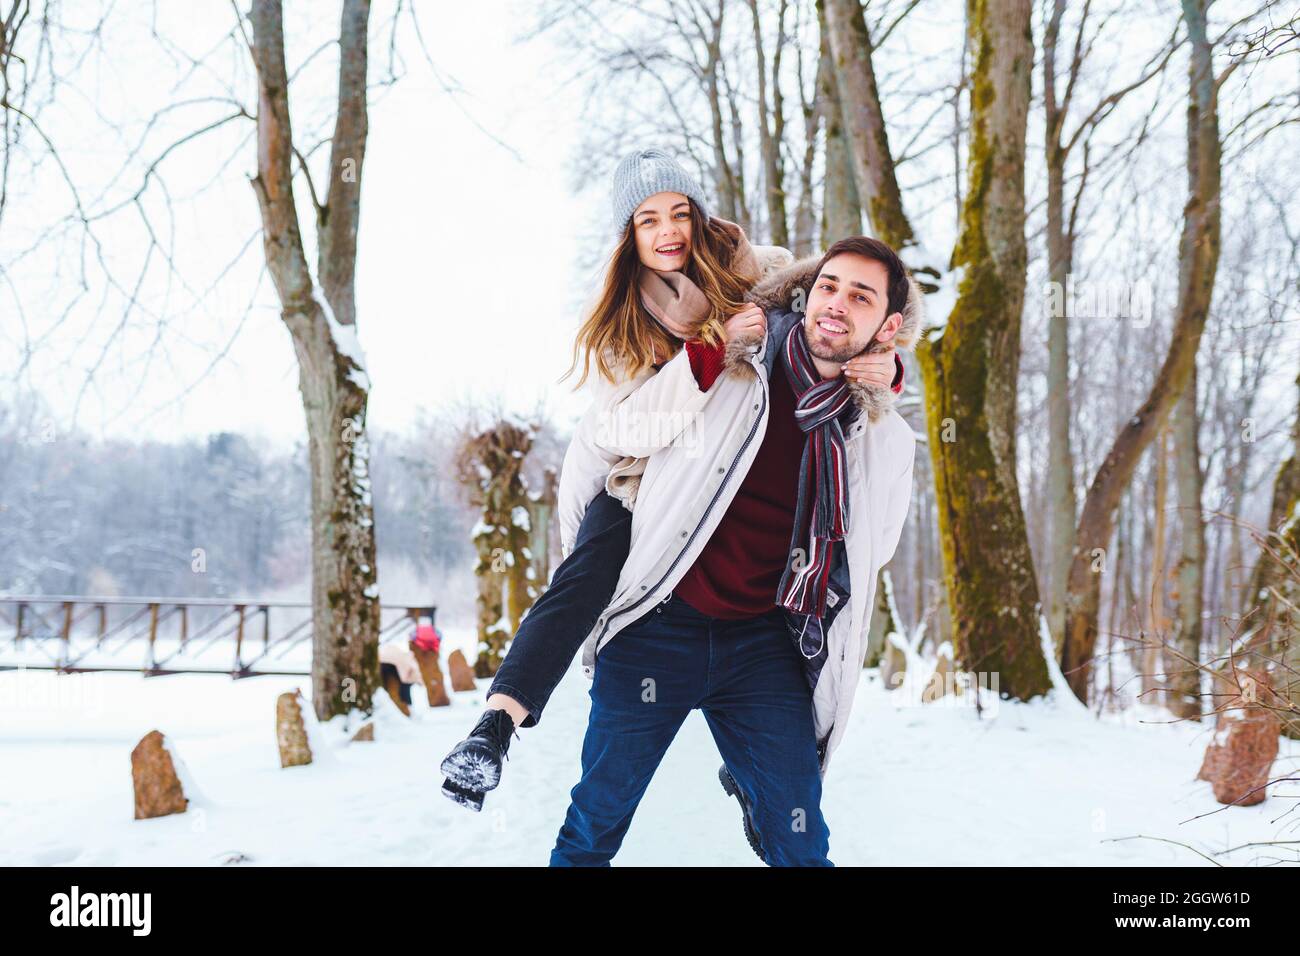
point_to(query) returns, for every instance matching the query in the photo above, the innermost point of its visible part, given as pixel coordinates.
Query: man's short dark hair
(876, 251)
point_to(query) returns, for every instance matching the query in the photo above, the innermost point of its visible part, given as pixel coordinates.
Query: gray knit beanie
(644, 172)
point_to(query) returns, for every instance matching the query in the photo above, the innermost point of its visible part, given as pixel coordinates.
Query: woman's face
(662, 227)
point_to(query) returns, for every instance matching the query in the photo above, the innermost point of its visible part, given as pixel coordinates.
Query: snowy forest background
(212, 339)
(114, 271)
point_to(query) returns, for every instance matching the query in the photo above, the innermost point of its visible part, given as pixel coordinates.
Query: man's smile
(832, 327)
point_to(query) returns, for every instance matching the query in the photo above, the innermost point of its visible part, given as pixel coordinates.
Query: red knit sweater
(740, 568)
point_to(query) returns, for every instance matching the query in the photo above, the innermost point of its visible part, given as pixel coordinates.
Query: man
(754, 556)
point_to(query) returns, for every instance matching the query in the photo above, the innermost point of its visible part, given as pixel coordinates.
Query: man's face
(846, 305)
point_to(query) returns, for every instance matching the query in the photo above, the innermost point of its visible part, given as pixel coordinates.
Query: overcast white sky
(468, 285)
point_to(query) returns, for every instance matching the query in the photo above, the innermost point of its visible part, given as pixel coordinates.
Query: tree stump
(365, 735)
(291, 730)
(1241, 754)
(154, 776)
(393, 684)
(432, 675)
(462, 677)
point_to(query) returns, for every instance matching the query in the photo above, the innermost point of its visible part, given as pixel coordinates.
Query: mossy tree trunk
(992, 595)
(970, 374)
(491, 465)
(331, 373)
(1273, 625)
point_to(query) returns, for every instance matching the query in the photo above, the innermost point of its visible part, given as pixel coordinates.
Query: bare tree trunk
(970, 373)
(1060, 254)
(541, 507)
(1234, 562)
(331, 373)
(864, 122)
(1198, 263)
(743, 218)
(1156, 627)
(727, 187)
(1062, 217)
(1120, 568)
(805, 224)
(1185, 679)
(841, 210)
(769, 140)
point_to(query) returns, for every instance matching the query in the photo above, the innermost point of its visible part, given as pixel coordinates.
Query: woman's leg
(554, 628)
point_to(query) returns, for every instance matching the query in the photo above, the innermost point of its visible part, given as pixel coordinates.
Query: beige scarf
(671, 297)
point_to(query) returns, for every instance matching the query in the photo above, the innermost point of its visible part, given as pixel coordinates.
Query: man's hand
(747, 325)
(875, 370)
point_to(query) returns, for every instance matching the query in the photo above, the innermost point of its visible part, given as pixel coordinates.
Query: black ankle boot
(475, 762)
(466, 798)
(733, 789)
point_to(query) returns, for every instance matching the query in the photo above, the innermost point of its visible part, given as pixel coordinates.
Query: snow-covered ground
(1038, 784)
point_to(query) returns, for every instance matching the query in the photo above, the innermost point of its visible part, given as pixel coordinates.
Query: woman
(672, 309)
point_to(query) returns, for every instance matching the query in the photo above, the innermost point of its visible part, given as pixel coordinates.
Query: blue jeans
(747, 677)
(555, 627)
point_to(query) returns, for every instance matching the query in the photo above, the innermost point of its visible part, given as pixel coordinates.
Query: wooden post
(67, 631)
(239, 640)
(153, 636)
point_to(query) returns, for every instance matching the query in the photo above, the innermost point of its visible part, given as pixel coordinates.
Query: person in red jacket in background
(426, 636)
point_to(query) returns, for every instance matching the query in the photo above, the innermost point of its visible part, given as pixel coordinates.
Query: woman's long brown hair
(620, 331)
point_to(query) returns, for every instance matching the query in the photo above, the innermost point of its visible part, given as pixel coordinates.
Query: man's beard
(826, 351)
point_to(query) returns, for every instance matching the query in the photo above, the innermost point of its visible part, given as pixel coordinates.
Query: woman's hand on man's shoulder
(747, 325)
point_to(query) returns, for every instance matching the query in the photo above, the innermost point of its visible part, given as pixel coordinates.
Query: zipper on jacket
(686, 547)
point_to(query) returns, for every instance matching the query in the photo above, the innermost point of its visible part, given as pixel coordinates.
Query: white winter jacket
(688, 485)
(634, 417)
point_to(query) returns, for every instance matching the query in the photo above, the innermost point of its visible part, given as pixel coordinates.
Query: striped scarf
(818, 404)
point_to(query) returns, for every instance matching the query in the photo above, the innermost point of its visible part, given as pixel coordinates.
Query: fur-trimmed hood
(785, 290)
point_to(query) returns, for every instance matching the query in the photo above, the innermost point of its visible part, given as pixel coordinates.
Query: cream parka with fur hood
(679, 455)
